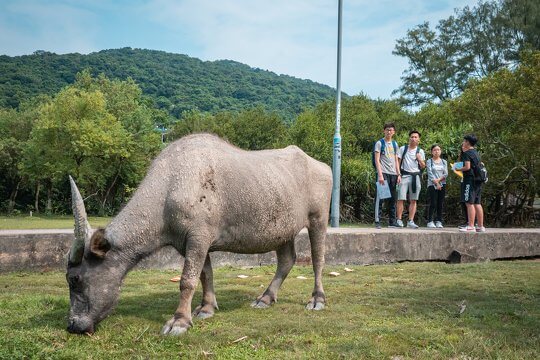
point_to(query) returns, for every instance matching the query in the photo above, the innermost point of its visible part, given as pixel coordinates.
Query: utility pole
(336, 164)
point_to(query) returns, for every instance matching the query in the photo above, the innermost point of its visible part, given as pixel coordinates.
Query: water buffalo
(200, 195)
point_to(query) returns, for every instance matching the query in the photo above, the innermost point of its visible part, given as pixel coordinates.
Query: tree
(97, 130)
(473, 43)
(15, 128)
(437, 69)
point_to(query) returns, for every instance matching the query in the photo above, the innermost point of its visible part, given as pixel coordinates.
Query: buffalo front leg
(193, 265)
(209, 303)
(286, 257)
(317, 236)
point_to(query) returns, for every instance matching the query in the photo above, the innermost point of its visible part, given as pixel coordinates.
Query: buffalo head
(93, 279)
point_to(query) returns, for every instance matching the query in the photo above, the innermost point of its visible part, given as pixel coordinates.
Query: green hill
(175, 82)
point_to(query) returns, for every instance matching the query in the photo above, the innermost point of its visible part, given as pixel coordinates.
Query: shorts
(405, 187)
(471, 191)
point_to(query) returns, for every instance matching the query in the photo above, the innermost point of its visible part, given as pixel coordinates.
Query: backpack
(404, 152)
(383, 149)
(480, 172)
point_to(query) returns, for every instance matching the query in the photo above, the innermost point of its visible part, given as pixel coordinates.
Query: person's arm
(420, 158)
(466, 162)
(445, 171)
(398, 168)
(380, 177)
(430, 174)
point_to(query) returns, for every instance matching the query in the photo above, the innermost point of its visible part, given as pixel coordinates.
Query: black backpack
(480, 171)
(383, 149)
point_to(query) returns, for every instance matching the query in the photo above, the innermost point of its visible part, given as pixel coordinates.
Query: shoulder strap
(405, 147)
(394, 143)
(383, 146)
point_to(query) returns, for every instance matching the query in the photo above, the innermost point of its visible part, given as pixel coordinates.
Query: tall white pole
(336, 164)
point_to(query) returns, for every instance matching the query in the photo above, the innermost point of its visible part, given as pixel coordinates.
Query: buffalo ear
(98, 244)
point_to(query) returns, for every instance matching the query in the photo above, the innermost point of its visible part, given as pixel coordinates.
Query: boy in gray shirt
(387, 170)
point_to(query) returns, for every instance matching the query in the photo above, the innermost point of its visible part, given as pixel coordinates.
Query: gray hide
(200, 195)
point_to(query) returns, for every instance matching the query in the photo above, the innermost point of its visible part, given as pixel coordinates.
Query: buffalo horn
(82, 228)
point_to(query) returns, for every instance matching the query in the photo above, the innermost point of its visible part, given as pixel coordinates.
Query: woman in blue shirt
(437, 170)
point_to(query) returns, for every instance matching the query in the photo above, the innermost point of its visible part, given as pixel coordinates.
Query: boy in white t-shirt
(412, 161)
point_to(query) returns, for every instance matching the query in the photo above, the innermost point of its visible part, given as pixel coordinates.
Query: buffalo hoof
(257, 304)
(175, 327)
(203, 312)
(315, 305)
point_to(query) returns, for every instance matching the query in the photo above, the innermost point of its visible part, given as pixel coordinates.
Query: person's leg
(441, 194)
(431, 201)
(392, 181)
(479, 215)
(402, 191)
(414, 196)
(471, 214)
(412, 209)
(377, 206)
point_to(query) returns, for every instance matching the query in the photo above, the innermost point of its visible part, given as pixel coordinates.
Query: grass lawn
(398, 311)
(46, 222)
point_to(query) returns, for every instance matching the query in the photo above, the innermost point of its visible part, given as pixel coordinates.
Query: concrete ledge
(47, 249)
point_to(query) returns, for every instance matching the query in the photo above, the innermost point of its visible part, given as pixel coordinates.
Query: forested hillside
(175, 82)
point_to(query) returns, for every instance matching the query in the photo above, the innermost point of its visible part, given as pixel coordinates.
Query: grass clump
(405, 311)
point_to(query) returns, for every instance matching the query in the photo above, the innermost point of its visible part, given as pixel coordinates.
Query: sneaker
(480, 229)
(462, 226)
(467, 229)
(399, 223)
(411, 224)
(439, 224)
(431, 225)
(377, 225)
(393, 225)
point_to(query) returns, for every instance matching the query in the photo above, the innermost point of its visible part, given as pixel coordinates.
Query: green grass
(405, 311)
(46, 222)
(66, 222)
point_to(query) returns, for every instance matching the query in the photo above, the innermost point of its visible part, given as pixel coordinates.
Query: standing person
(471, 188)
(461, 203)
(412, 161)
(437, 171)
(387, 169)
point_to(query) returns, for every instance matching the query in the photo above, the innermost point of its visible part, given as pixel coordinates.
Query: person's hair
(389, 125)
(414, 132)
(434, 146)
(471, 139)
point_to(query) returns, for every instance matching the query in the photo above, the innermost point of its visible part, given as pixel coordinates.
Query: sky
(292, 37)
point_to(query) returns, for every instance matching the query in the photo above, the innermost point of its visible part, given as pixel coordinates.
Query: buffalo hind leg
(317, 236)
(196, 252)
(209, 303)
(286, 257)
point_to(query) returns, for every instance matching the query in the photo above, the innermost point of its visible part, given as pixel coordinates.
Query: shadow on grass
(154, 307)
